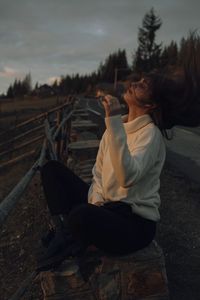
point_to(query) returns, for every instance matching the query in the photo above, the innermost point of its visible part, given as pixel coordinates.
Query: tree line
(20, 87)
(149, 55)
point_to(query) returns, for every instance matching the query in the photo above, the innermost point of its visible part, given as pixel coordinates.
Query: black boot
(56, 226)
(59, 242)
(47, 237)
(47, 262)
(57, 236)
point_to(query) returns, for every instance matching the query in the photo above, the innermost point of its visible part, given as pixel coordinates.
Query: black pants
(112, 228)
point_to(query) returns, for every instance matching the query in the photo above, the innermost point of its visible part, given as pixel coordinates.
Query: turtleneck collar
(137, 123)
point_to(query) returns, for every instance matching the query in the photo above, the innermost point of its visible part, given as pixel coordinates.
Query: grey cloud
(50, 38)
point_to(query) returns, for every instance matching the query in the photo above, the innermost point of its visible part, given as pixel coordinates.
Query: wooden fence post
(67, 132)
(65, 142)
(58, 138)
(62, 138)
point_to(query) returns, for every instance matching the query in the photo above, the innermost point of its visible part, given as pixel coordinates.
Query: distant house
(44, 90)
(3, 96)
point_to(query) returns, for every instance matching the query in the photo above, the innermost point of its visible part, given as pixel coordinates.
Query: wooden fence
(28, 133)
(55, 139)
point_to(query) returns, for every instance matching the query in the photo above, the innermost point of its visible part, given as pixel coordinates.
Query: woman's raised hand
(112, 106)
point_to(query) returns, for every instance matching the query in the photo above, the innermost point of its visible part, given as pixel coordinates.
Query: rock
(140, 275)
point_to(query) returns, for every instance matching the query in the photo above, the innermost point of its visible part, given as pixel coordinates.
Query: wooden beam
(7, 205)
(57, 141)
(95, 112)
(22, 135)
(65, 119)
(43, 153)
(16, 159)
(43, 115)
(48, 133)
(22, 145)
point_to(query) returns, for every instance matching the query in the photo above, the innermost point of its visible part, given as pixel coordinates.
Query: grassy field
(18, 104)
(13, 111)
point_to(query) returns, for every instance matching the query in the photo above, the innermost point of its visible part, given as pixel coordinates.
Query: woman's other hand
(111, 105)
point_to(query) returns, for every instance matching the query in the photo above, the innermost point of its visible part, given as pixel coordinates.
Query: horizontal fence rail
(21, 135)
(17, 159)
(22, 145)
(40, 116)
(9, 202)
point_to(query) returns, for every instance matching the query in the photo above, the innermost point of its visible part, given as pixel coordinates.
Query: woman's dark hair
(176, 92)
(163, 92)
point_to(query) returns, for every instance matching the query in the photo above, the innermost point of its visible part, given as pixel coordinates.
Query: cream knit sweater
(128, 165)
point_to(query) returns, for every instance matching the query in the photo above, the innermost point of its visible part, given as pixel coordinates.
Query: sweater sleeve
(95, 190)
(130, 165)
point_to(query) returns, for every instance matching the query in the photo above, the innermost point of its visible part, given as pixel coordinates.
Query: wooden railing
(55, 140)
(29, 131)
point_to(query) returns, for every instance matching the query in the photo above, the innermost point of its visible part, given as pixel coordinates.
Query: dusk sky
(50, 38)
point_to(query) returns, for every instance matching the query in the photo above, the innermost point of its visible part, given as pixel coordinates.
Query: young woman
(119, 211)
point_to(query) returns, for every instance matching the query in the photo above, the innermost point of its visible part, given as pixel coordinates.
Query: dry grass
(14, 111)
(19, 104)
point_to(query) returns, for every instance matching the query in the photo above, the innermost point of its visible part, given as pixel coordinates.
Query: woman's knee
(51, 167)
(78, 213)
(77, 218)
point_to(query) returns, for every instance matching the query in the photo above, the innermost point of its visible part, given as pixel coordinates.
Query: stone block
(140, 275)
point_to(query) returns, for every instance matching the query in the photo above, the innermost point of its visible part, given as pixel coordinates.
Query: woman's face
(138, 91)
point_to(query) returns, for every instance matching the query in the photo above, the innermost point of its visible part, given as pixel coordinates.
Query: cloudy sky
(53, 37)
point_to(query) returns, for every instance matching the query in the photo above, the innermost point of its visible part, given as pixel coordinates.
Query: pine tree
(36, 86)
(27, 84)
(169, 56)
(9, 93)
(182, 50)
(116, 60)
(147, 55)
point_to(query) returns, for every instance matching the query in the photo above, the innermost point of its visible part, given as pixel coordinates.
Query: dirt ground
(177, 234)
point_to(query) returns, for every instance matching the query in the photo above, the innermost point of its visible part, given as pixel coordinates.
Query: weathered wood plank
(84, 127)
(84, 145)
(7, 205)
(80, 115)
(21, 135)
(85, 171)
(43, 115)
(83, 150)
(87, 179)
(32, 141)
(80, 110)
(87, 162)
(17, 159)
